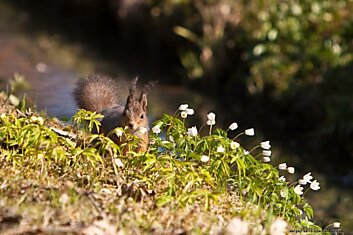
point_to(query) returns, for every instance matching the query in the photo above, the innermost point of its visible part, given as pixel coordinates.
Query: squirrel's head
(135, 111)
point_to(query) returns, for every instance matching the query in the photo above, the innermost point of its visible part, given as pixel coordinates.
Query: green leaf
(308, 210)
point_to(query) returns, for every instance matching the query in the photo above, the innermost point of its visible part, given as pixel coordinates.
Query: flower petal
(233, 126)
(183, 107)
(250, 132)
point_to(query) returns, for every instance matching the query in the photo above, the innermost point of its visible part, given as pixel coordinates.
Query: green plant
(180, 169)
(200, 168)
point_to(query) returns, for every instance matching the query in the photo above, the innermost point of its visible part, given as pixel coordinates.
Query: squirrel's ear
(130, 98)
(145, 91)
(143, 101)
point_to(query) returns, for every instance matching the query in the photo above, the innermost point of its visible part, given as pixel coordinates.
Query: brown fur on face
(135, 111)
(135, 115)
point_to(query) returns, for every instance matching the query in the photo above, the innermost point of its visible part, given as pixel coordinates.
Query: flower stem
(176, 113)
(201, 127)
(306, 191)
(327, 226)
(254, 148)
(210, 132)
(238, 135)
(256, 155)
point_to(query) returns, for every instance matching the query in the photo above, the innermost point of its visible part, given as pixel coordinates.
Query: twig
(42, 229)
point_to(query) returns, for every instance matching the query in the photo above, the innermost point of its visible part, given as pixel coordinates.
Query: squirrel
(98, 93)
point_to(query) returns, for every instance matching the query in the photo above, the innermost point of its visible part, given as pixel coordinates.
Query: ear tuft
(144, 93)
(143, 101)
(149, 86)
(132, 89)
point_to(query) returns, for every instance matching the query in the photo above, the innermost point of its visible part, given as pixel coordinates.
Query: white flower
(118, 132)
(234, 145)
(250, 132)
(156, 129)
(183, 107)
(284, 193)
(315, 185)
(308, 177)
(266, 153)
(290, 170)
(278, 227)
(40, 120)
(184, 114)
(211, 119)
(210, 122)
(265, 145)
(336, 224)
(192, 131)
(282, 166)
(266, 159)
(233, 126)
(298, 189)
(33, 119)
(302, 182)
(220, 149)
(3, 115)
(118, 162)
(237, 227)
(189, 111)
(205, 158)
(246, 152)
(211, 116)
(282, 178)
(142, 129)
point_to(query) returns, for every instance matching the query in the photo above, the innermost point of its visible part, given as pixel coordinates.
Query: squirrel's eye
(142, 116)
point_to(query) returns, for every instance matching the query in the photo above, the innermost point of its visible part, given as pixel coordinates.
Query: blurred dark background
(283, 67)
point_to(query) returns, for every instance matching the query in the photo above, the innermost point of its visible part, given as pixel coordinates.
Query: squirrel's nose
(131, 125)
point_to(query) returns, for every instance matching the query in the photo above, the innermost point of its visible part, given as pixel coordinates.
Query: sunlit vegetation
(59, 177)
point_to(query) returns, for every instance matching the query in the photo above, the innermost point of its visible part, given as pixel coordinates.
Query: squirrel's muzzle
(131, 126)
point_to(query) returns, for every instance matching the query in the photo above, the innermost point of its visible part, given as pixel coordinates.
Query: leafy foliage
(172, 173)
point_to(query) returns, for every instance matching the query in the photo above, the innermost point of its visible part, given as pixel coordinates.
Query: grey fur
(96, 93)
